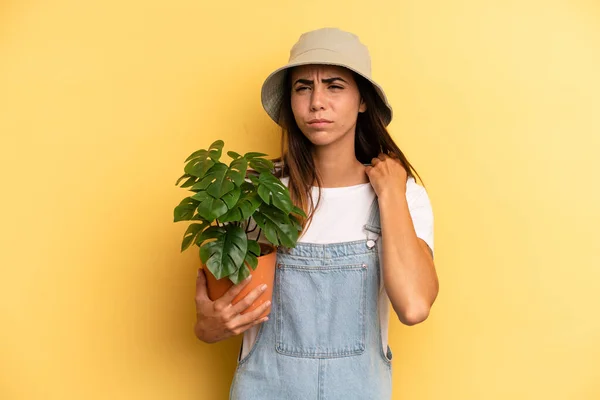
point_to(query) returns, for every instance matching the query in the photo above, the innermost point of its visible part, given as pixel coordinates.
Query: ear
(363, 106)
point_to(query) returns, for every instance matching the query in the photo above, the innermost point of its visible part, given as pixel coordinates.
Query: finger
(244, 328)
(233, 291)
(252, 316)
(375, 161)
(201, 290)
(382, 156)
(247, 301)
(395, 158)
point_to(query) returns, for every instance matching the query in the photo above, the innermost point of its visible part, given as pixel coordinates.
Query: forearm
(408, 270)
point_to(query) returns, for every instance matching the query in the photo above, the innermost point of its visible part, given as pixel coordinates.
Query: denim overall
(323, 337)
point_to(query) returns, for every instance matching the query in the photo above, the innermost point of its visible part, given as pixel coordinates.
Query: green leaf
(191, 233)
(265, 194)
(182, 177)
(199, 164)
(240, 275)
(283, 202)
(233, 215)
(213, 232)
(215, 150)
(191, 181)
(270, 178)
(185, 210)
(201, 196)
(233, 155)
(211, 208)
(245, 207)
(296, 222)
(197, 154)
(276, 225)
(251, 260)
(274, 192)
(247, 186)
(252, 254)
(232, 198)
(249, 205)
(261, 165)
(254, 154)
(299, 211)
(226, 254)
(237, 171)
(254, 179)
(268, 228)
(201, 185)
(215, 181)
(254, 247)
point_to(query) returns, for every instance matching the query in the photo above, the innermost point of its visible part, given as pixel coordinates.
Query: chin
(321, 138)
(319, 134)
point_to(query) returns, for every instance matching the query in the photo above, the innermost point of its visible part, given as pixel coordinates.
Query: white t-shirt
(341, 216)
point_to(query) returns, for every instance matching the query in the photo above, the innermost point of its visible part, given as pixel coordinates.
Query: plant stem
(253, 229)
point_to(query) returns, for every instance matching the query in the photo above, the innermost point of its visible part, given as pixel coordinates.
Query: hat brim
(274, 85)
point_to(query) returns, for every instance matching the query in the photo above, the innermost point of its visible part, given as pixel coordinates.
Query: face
(325, 102)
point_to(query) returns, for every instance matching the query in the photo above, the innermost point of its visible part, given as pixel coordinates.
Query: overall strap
(373, 226)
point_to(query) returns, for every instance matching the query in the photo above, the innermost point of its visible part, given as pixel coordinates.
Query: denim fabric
(323, 337)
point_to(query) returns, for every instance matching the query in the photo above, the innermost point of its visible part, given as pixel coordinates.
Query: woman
(367, 241)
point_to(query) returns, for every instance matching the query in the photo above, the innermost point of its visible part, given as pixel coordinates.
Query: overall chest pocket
(320, 310)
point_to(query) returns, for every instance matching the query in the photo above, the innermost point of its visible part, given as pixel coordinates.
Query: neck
(337, 165)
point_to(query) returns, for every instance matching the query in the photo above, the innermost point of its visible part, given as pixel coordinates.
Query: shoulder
(420, 211)
(416, 195)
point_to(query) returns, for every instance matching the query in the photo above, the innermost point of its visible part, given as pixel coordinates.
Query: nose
(317, 102)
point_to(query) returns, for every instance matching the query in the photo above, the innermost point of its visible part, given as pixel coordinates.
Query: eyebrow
(328, 80)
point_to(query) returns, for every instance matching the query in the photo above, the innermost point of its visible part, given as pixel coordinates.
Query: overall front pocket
(320, 310)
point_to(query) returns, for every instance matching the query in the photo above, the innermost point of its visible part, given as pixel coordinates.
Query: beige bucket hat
(329, 46)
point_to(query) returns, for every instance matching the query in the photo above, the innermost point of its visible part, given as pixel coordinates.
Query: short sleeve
(421, 212)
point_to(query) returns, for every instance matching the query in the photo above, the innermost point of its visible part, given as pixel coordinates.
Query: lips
(319, 123)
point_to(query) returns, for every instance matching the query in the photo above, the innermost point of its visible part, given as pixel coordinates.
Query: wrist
(392, 195)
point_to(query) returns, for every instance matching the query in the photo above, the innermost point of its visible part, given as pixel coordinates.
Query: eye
(302, 88)
(335, 87)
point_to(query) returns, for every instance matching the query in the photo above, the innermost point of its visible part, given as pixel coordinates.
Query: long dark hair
(296, 160)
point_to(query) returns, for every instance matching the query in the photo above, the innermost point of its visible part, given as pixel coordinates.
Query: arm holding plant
(225, 200)
(218, 320)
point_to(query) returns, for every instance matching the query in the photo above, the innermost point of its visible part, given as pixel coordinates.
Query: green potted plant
(225, 199)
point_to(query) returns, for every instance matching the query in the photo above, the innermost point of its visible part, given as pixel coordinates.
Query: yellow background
(496, 103)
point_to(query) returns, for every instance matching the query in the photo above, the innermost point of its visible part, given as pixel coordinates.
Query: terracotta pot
(264, 273)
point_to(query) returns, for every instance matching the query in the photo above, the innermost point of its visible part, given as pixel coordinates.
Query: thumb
(201, 292)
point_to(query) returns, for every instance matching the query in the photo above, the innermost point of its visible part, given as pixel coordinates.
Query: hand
(220, 319)
(387, 174)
